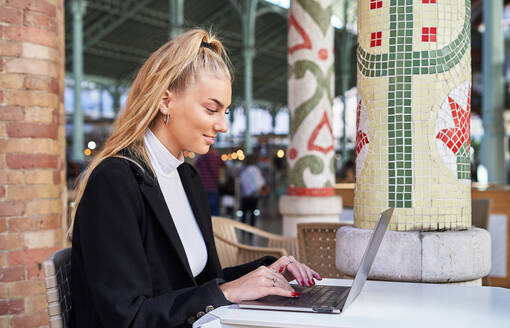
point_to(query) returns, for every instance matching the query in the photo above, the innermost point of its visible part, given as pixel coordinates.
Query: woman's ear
(165, 102)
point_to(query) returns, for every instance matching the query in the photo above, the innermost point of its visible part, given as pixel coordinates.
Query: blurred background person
(253, 185)
(229, 188)
(211, 169)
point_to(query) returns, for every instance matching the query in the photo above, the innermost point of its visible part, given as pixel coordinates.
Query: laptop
(328, 299)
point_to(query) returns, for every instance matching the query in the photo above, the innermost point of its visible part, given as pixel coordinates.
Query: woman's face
(197, 115)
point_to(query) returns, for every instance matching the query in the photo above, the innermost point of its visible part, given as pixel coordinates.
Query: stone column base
(476, 282)
(301, 209)
(439, 257)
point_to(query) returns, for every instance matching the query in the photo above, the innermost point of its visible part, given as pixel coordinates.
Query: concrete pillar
(345, 72)
(273, 111)
(492, 154)
(248, 18)
(32, 155)
(116, 99)
(412, 144)
(78, 8)
(176, 8)
(310, 154)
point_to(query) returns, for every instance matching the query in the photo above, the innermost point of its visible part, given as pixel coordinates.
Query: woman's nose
(221, 124)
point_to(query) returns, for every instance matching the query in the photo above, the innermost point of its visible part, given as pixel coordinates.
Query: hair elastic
(206, 45)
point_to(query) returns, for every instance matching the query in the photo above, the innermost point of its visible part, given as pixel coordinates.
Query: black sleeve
(116, 268)
(232, 273)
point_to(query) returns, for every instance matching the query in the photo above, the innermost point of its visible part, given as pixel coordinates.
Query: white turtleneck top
(165, 165)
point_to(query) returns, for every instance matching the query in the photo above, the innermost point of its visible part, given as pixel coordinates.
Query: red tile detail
(361, 137)
(307, 42)
(429, 34)
(375, 39)
(455, 137)
(375, 4)
(311, 142)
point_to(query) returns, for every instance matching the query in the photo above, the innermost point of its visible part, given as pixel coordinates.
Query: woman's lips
(209, 139)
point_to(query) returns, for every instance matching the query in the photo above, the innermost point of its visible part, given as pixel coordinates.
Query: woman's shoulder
(116, 169)
(111, 165)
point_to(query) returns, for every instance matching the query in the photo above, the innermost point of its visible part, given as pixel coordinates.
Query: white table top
(386, 304)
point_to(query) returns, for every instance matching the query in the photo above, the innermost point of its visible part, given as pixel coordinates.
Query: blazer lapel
(156, 201)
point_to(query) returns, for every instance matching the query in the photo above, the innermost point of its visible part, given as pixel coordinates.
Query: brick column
(32, 154)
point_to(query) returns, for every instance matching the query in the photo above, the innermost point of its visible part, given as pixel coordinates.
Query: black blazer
(129, 268)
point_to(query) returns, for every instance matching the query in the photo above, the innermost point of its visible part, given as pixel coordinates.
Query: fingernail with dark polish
(295, 294)
(281, 269)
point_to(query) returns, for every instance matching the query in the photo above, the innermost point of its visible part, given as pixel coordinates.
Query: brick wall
(32, 154)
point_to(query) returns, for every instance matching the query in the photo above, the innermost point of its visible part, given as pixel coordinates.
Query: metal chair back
(317, 247)
(480, 212)
(57, 272)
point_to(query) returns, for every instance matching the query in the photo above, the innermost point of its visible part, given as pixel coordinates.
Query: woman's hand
(292, 269)
(259, 283)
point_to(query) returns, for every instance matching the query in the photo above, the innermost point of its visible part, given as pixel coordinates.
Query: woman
(143, 248)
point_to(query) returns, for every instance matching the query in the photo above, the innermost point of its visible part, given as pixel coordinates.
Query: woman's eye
(212, 110)
(227, 111)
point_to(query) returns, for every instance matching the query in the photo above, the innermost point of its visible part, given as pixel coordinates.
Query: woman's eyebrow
(217, 102)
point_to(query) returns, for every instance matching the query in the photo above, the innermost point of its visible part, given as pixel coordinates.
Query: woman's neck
(159, 132)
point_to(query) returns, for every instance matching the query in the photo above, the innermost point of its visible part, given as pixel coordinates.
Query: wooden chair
(231, 252)
(57, 272)
(480, 212)
(317, 247)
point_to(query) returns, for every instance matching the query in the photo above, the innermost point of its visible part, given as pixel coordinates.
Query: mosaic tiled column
(310, 195)
(412, 145)
(413, 142)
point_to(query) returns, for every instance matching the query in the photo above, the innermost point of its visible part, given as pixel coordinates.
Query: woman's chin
(201, 150)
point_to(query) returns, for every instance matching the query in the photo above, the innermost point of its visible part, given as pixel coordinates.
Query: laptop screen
(369, 256)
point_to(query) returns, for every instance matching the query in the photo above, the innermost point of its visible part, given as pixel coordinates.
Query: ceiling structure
(119, 35)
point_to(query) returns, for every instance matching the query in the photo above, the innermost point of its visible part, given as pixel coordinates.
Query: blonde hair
(172, 67)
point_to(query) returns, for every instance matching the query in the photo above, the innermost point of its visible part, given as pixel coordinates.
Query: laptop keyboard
(318, 296)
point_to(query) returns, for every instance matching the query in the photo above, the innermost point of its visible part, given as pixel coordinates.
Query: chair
(480, 212)
(57, 272)
(231, 252)
(317, 246)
